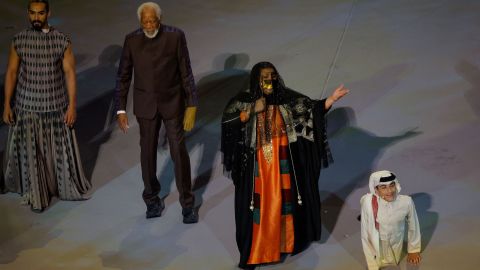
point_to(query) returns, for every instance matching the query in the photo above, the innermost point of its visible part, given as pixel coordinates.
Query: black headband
(388, 178)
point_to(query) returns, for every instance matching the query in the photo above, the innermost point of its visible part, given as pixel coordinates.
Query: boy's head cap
(383, 177)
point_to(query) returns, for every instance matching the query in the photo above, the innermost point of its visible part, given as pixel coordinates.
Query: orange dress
(273, 232)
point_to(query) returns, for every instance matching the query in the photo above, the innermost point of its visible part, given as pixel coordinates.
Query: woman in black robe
(304, 124)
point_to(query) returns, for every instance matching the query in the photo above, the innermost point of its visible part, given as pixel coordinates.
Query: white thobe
(391, 217)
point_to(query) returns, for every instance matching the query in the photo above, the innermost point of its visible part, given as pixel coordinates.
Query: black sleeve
(124, 77)
(320, 132)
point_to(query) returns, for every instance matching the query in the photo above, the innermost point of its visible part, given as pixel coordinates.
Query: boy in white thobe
(384, 214)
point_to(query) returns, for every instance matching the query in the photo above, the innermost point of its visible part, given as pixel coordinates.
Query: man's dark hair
(47, 5)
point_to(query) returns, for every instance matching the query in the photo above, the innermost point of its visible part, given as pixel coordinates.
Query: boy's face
(387, 192)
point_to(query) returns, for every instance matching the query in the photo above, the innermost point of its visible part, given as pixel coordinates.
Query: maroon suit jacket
(162, 76)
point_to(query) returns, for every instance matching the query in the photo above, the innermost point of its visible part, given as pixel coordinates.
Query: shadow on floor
(355, 152)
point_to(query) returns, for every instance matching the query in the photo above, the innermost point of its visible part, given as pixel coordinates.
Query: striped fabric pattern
(42, 158)
(41, 83)
(286, 193)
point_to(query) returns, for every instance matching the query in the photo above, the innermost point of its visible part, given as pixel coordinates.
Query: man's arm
(188, 83)
(10, 82)
(124, 79)
(186, 73)
(68, 65)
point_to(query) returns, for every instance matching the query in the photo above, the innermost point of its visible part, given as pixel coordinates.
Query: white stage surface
(413, 67)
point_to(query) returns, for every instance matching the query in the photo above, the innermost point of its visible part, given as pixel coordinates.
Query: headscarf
(383, 178)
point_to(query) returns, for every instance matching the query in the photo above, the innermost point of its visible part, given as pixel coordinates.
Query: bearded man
(41, 156)
(163, 92)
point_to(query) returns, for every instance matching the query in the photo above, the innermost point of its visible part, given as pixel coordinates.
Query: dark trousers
(149, 130)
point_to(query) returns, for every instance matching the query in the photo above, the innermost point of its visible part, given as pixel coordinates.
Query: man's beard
(151, 35)
(37, 25)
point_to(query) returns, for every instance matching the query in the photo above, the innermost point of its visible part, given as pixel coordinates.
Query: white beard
(151, 35)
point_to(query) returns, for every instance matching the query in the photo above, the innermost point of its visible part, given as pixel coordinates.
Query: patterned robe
(41, 156)
(299, 150)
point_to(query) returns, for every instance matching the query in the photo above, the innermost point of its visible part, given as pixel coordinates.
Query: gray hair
(153, 5)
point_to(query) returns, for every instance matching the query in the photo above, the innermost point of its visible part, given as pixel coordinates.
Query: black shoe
(155, 209)
(189, 216)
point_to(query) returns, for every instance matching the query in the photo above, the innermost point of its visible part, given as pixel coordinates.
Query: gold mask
(267, 84)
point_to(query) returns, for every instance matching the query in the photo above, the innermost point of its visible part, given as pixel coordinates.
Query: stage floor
(413, 68)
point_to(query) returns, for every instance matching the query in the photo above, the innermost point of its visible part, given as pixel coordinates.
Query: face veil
(277, 96)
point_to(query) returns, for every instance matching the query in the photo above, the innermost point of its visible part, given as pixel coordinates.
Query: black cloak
(309, 152)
